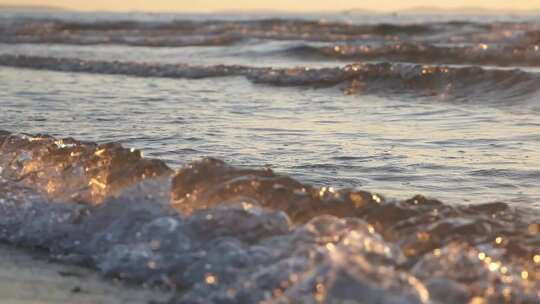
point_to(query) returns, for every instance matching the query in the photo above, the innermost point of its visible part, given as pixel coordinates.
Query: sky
(286, 5)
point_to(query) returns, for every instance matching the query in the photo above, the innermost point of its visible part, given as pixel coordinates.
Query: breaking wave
(481, 54)
(446, 83)
(220, 234)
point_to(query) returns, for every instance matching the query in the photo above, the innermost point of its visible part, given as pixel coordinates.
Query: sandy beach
(30, 278)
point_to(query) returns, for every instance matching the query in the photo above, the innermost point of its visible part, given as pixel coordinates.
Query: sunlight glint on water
(287, 153)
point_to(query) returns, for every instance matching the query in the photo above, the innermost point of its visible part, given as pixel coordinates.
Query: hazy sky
(291, 5)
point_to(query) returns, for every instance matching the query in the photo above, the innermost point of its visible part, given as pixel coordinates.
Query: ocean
(277, 158)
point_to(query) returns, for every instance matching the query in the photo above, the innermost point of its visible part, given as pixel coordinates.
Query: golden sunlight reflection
(268, 141)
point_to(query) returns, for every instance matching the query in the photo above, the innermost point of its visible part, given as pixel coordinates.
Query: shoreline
(30, 277)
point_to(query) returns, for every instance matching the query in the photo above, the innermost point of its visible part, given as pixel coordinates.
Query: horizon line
(412, 10)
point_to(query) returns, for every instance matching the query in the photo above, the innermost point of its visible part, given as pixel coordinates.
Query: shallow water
(398, 145)
(445, 109)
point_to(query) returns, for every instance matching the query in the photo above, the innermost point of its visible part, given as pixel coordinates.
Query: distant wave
(259, 25)
(467, 83)
(185, 33)
(216, 233)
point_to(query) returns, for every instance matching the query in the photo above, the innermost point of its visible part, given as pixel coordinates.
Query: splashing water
(337, 110)
(219, 233)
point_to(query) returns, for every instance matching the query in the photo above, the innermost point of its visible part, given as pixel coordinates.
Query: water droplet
(210, 279)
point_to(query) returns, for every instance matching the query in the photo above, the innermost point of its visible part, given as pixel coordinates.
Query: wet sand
(29, 277)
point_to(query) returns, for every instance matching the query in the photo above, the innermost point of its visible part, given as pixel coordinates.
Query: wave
(295, 25)
(180, 33)
(440, 82)
(135, 39)
(216, 233)
(218, 32)
(90, 171)
(121, 68)
(481, 54)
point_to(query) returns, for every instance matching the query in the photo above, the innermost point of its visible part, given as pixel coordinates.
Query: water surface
(255, 123)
